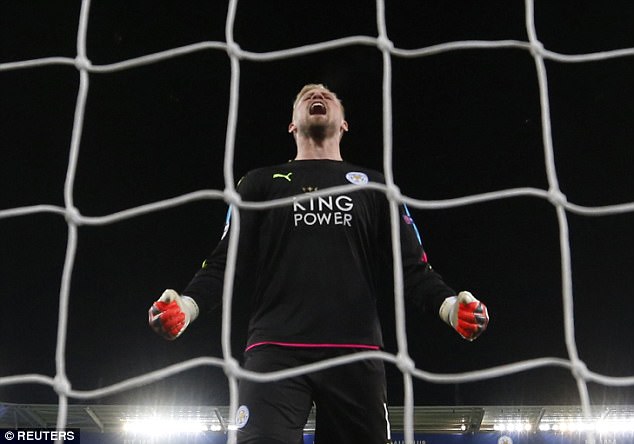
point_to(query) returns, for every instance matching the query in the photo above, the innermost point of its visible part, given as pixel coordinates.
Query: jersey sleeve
(206, 287)
(423, 286)
(207, 284)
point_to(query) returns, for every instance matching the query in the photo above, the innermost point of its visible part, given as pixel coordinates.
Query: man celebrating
(312, 272)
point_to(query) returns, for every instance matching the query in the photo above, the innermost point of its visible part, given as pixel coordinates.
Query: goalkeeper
(311, 273)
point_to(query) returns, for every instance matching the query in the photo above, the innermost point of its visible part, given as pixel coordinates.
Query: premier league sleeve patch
(357, 178)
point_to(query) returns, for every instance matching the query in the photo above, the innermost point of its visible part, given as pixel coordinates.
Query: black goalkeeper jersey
(311, 271)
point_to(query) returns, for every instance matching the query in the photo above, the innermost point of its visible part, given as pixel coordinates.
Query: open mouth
(317, 108)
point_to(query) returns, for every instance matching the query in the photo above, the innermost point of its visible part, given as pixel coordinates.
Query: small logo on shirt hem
(242, 416)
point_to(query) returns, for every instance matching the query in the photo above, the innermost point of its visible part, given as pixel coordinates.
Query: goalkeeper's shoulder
(253, 184)
(265, 172)
(371, 174)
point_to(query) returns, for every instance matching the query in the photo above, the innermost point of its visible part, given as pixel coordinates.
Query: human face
(318, 113)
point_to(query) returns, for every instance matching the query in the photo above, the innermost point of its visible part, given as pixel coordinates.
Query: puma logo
(282, 176)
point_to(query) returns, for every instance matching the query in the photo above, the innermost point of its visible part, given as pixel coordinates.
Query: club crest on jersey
(357, 178)
(242, 416)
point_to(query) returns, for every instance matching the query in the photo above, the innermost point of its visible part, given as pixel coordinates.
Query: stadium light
(512, 426)
(164, 426)
(620, 425)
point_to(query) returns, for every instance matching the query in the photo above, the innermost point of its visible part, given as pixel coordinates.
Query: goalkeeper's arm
(171, 314)
(467, 315)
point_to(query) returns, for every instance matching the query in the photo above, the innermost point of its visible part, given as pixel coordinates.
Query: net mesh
(553, 194)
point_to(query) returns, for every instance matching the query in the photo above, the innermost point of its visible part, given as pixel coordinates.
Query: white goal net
(392, 62)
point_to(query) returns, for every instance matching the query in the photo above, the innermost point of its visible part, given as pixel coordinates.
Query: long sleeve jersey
(311, 271)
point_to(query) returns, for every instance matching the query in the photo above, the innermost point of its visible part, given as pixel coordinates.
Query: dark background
(465, 122)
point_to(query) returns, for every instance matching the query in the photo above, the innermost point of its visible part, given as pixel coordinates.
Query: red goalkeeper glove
(467, 315)
(171, 314)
